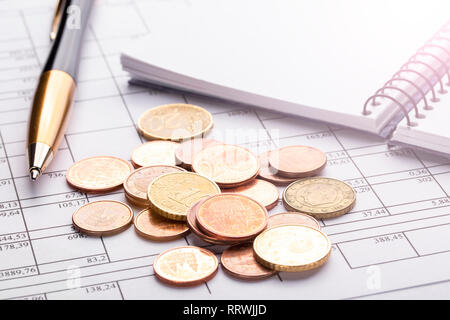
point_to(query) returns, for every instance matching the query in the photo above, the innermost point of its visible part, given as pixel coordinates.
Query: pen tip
(34, 174)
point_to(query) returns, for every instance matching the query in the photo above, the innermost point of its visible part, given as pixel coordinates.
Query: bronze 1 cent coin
(297, 161)
(266, 172)
(260, 190)
(239, 261)
(292, 218)
(155, 227)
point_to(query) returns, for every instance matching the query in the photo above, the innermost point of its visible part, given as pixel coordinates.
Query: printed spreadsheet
(395, 243)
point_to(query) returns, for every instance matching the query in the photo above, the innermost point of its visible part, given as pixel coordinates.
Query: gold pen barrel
(50, 110)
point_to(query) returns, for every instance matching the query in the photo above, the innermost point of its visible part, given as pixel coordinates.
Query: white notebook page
(327, 57)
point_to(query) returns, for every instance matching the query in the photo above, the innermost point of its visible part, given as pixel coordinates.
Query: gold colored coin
(319, 197)
(228, 165)
(98, 174)
(102, 218)
(175, 122)
(155, 227)
(155, 153)
(186, 266)
(171, 195)
(136, 184)
(292, 248)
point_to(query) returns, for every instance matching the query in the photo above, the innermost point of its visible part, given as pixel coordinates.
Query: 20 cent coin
(292, 248)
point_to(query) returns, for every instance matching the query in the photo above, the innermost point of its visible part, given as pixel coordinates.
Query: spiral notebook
(379, 66)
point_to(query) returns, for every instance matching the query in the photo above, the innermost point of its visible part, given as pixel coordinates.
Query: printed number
(424, 179)
(76, 236)
(101, 287)
(71, 204)
(389, 238)
(17, 272)
(96, 259)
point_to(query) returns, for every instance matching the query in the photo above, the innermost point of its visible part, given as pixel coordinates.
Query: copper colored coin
(186, 151)
(102, 218)
(155, 227)
(98, 174)
(231, 217)
(239, 261)
(266, 172)
(260, 190)
(227, 165)
(136, 184)
(292, 218)
(154, 153)
(186, 266)
(297, 161)
(192, 223)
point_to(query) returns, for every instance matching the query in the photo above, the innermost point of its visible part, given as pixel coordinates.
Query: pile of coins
(220, 192)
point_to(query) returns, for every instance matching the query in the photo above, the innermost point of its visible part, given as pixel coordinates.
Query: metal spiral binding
(406, 68)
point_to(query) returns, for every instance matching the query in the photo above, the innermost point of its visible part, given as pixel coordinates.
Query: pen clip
(57, 19)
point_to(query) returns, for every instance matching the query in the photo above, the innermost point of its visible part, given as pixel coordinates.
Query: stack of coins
(226, 219)
(220, 192)
(137, 182)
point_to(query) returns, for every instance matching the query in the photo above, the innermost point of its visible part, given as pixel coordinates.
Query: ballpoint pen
(55, 92)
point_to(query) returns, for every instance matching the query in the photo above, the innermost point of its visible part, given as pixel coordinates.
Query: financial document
(395, 243)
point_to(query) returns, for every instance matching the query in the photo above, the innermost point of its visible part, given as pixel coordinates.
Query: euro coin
(227, 165)
(175, 122)
(260, 190)
(154, 153)
(192, 223)
(319, 197)
(297, 161)
(231, 217)
(102, 218)
(289, 218)
(137, 182)
(292, 248)
(171, 195)
(98, 174)
(239, 261)
(266, 172)
(186, 266)
(155, 227)
(187, 150)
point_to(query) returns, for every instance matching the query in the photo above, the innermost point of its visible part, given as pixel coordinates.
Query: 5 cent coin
(227, 165)
(98, 174)
(231, 217)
